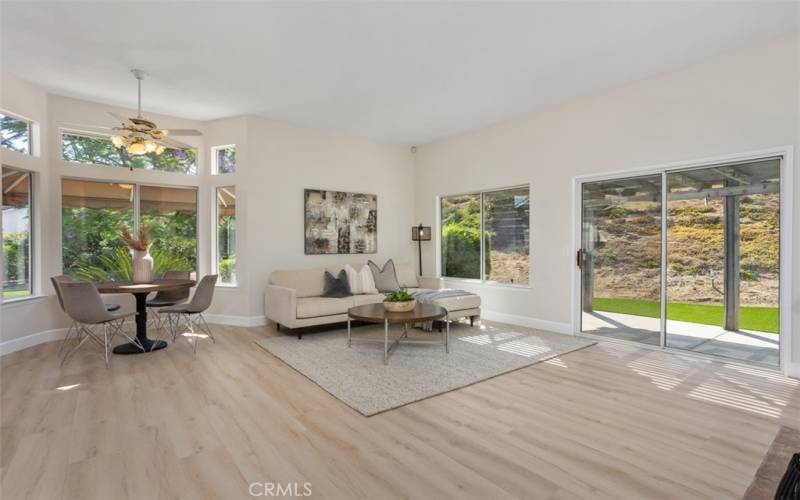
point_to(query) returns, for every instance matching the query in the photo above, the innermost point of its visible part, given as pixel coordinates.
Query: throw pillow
(360, 281)
(386, 278)
(336, 287)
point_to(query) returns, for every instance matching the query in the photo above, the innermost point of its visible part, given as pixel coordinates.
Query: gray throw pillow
(386, 278)
(336, 287)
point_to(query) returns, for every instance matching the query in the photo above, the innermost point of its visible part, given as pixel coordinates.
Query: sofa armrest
(430, 282)
(280, 305)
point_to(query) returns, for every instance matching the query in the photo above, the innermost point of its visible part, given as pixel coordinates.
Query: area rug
(769, 474)
(358, 377)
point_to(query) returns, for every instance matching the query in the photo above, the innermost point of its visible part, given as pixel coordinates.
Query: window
(506, 215)
(171, 215)
(224, 159)
(92, 213)
(79, 147)
(486, 235)
(461, 236)
(15, 134)
(16, 233)
(226, 234)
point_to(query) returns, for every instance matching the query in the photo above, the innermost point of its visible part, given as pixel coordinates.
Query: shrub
(461, 250)
(227, 269)
(17, 264)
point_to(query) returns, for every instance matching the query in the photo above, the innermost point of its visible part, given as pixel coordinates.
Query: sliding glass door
(716, 289)
(723, 260)
(620, 258)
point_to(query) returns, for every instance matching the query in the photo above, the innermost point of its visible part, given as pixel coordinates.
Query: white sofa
(293, 297)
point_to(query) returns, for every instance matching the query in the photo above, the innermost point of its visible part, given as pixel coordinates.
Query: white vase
(142, 266)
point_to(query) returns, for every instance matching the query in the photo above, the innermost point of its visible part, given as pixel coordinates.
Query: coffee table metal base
(402, 339)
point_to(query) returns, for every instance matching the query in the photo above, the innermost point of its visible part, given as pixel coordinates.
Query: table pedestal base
(131, 348)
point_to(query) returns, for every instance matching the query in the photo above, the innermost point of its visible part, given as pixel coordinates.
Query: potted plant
(399, 301)
(142, 261)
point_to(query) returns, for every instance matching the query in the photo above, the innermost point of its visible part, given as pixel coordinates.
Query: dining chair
(192, 312)
(168, 298)
(83, 303)
(57, 281)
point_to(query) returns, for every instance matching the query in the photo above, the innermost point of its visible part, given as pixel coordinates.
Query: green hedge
(461, 251)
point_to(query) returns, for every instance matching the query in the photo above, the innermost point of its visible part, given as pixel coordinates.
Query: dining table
(140, 291)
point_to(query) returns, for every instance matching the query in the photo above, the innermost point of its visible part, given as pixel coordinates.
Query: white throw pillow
(360, 281)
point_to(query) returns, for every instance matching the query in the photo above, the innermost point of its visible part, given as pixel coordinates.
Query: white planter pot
(142, 266)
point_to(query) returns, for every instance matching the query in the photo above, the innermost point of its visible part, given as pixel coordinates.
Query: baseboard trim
(31, 340)
(229, 319)
(14, 345)
(527, 321)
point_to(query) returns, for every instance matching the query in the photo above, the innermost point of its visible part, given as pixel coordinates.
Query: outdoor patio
(744, 345)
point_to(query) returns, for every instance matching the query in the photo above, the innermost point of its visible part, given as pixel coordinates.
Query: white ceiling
(406, 72)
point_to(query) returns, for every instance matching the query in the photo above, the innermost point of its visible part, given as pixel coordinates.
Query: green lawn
(761, 319)
(15, 294)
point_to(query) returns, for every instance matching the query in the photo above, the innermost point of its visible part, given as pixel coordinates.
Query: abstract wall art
(340, 223)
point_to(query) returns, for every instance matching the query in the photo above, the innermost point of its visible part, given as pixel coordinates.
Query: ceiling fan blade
(80, 127)
(174, 132)
(118, 117)
(172, 143)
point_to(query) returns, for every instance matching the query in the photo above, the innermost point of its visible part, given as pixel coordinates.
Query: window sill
(227, 285)
(23, 300)
(493, 284)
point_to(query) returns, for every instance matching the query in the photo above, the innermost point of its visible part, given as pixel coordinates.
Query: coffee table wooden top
(155, 286)
(376, 313)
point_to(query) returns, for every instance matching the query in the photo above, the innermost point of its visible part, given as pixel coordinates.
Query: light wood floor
(608, 421)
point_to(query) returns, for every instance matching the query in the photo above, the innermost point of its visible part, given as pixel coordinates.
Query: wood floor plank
(609, 421)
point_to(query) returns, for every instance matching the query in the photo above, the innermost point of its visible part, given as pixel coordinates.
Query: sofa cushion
(386, 277)
(406, 276)
(314, 307)
(306, 282)
(371, 298)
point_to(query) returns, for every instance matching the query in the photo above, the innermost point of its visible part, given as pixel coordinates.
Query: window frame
(482, 229)
(136, 208)
(30, 123)
(98, 135)
(215, 239)
(215, 159)
(32, 250)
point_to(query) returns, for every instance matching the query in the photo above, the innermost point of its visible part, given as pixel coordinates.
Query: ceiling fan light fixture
(118, 141)
(137, 147)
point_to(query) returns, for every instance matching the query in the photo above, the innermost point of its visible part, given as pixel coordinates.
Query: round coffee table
(376, 313)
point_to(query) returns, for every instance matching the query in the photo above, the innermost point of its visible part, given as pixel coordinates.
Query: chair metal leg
(207, 328)
(75, 348)
(105, 338)
(72, 328)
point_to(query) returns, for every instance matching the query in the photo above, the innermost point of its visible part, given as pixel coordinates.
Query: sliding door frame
(785, 154)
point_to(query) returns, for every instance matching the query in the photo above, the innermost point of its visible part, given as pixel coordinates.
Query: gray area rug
(358, 377)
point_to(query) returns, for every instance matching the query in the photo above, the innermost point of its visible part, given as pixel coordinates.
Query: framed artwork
(340, 223)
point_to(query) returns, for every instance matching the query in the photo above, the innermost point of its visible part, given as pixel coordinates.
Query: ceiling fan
(138, 135)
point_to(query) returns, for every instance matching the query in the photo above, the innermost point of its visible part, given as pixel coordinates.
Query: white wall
(741, 101)
(275, 162)
(32, 316)
(283, 160)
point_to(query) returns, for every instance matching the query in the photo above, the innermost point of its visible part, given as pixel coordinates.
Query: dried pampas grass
(141, 243)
